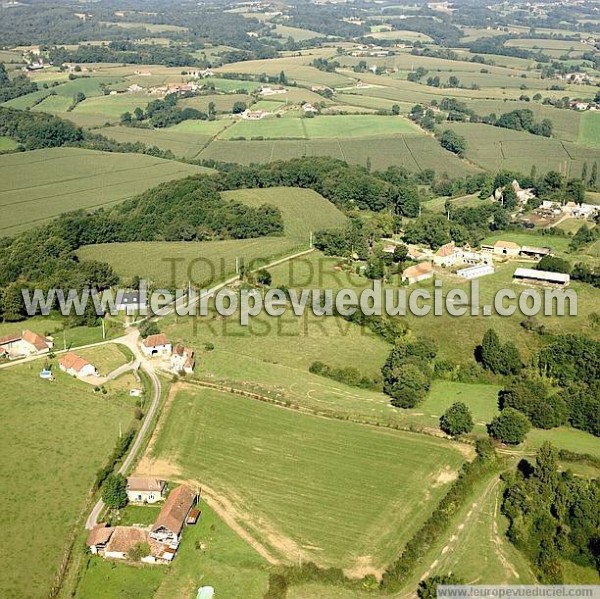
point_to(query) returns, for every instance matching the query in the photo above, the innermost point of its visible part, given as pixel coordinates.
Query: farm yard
(63, 433)
(39, 185)
(336, 517)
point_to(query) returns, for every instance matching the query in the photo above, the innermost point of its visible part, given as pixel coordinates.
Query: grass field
(414, 152)
(204, 262)
(296, 33)
(112, 107)
(7, 143)
(310, 472)
(589, 133)
(55, 436)
(38, 185)
(106, 358)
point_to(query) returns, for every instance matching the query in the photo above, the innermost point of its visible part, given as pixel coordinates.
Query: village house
(157, 345)
(173, 516)
(446, 255)
(135, 88)
(253, 115)
(267, 90)
(26, 344)
(309, 108)
(183, 359)
(418, 272)
(541, 277)
(75, 365)
(145, 489)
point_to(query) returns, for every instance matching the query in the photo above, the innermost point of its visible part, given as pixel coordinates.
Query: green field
(589, 133)
(112, 107)
(332, 127)
(296, 33)
(204, 262)
(494, 148)
(332, 514)
(54, 438)
(39, 185)
(7, 143)
(414, 152)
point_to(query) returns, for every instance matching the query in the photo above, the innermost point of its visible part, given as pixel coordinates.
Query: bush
(509, 427)
(457, 420)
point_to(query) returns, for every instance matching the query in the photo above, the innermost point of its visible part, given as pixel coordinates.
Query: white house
(157, 345)
(446, 255)
(309, 108)
(474, 272)
(145, 489)
(75, 365)
(183, 359)
(26, 344)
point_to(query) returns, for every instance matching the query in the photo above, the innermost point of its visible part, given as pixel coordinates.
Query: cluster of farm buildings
(162, 537)
(478, 263)
(25, 344)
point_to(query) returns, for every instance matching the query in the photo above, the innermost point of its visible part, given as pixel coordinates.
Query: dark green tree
(509, 427)
(114, 491)
(457, 420)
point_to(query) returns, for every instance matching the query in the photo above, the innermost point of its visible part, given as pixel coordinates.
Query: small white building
(27, 343)
(446, 256)
(141, 489)
(474, 272)
(183, 359)
(157, 345)
(75, 365)
(309, 108)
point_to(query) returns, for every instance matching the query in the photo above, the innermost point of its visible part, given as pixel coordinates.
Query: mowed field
(339, 493)
(206, 262)
(53, 439)
(39, 185)
(589, 133)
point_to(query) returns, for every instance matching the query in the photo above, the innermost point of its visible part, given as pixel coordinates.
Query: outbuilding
(541, 277)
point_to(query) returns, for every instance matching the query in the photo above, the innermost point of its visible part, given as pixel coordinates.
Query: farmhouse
(122, 540)
(145, 489)
(266, 90)
(541, 277)
(419, 272)
(309, 108)
(135, 88)
(506, 248)
(98, 538)
(173, 515)
(474, 272)
(25, 344)
(253, 115)
(157, 345)
(183, 359)
(446, 255)
(75, 365)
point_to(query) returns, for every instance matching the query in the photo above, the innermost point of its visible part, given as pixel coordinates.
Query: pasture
(55, 436)
(589, 132)
(39, 185)
(305, 493)
(7, 143)
(176, 263)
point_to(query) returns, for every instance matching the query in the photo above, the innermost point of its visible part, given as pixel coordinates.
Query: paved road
(139, 439)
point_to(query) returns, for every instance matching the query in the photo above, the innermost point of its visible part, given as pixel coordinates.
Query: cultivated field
(589, 133)
(332, 468)
(54, 438)
(39, 185)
